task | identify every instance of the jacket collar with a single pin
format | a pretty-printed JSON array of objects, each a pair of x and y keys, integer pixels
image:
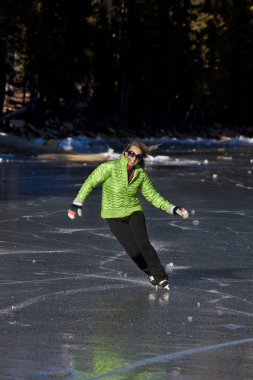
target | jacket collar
[{"x": 124, "y": 162}]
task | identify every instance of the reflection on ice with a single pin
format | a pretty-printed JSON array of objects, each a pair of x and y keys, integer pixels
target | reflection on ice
[
  {"x": 165, "y": 358},
  {"x": 158, "y": 297}
]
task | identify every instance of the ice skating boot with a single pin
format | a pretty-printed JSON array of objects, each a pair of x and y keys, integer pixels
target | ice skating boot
[
  {"x": 165, "y": 284},
  {"x": 152, "y": 280}
]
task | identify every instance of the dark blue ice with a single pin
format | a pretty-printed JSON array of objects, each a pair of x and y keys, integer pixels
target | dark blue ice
[{"x": 74, "y": 306}]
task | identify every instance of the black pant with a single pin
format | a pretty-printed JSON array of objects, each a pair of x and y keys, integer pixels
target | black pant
[{"x": 131, "y": 232}]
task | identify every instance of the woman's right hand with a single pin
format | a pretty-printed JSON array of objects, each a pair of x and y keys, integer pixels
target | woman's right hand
[{"x": 74, "y": 210}]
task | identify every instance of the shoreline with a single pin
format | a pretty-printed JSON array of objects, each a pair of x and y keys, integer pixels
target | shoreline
[{"x": 23, "y": 148}]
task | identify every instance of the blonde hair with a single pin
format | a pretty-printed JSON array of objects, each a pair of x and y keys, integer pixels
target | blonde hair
[{"x": 145, "y": 149}]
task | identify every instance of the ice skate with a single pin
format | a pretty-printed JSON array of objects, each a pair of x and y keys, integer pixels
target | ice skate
[
  {"x": 165, "y": 284},
  {"x": 152, "y": 280}
]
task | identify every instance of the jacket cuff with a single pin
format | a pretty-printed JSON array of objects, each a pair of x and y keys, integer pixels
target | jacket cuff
[
  {"x": 170, "y": 209},
  {"x": 77, "y": 202}
]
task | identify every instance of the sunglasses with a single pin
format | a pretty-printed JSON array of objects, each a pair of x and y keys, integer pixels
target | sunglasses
[{"x": 130, "y": 153}]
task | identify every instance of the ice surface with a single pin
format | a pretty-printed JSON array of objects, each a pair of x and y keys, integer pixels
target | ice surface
[{"x": 74, "y": 306}]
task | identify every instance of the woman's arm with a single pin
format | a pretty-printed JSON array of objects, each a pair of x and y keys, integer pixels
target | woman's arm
[
  {"x": 151, "y": 194},
  {"x": 99, "y": 175}
]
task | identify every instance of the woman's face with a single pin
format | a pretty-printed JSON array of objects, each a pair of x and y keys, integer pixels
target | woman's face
[{"x": 133, "y": 155}]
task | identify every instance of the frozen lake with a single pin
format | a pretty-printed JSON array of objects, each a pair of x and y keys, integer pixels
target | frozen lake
[{"x": 74, "y": 306}]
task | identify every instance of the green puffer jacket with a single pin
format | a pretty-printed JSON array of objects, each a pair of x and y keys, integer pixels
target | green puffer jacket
[{"x": 118, "y": 197}]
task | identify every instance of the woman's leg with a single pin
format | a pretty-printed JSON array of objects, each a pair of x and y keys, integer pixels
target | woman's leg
[
  {"x": 138, "y": 228},
  {"x": 120, "y": 229}
]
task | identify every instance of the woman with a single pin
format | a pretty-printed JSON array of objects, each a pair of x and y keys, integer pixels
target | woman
[{"x": 121, "y": 179}]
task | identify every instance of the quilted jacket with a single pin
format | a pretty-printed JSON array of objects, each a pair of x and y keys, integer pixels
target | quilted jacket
[{"x": 119, "y": 198}]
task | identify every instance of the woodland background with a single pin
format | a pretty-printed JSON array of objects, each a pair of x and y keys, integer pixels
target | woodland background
[{"x": 126, "y": 66}]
